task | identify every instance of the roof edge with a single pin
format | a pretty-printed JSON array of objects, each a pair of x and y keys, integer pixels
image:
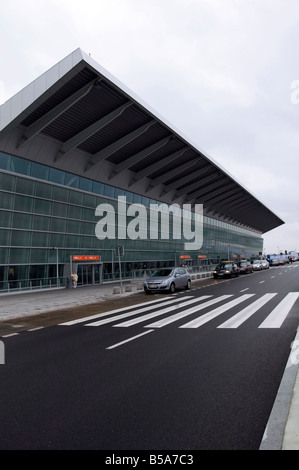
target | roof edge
[{"x": 15, "y": 105}]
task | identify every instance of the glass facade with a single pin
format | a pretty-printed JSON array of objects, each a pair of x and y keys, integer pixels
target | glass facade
[{"x": 47, "y": 216}]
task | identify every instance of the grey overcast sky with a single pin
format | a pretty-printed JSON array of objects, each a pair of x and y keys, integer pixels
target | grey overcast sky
[{"x": 225, "y": 73}]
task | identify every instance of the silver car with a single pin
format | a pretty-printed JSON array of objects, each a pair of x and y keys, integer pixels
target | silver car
[
  {"x": 265, "y": 264},
  {"x": 256, "y": 265},
  {"x": 167, "y": 280}
]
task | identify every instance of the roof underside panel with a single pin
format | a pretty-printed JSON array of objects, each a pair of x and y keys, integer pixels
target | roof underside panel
[
  {"x": 91, "y": 115},
  {"x": 82, "y": 78}
]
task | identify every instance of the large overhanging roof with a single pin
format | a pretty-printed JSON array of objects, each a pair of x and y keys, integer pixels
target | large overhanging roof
[{"x": 78, "y": 118}]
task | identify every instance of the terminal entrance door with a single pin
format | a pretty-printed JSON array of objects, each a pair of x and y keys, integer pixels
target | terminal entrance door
[{"x": 89, "y": 274}]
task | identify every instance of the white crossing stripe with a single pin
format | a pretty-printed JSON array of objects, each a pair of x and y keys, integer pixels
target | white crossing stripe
[
  {"x": 134, "y": 312},
  {"x": 128, "y": 340},
  {"x": 158, "y": 307},
  {"x": 214, "y": 313},
  {"x": 134, "y": 321},
  {"x": 247, "y": 312},
  {"x": 189, "y": 311},
  {"x": 281, "y": 311},
  {"x": 111, "y": 312}
]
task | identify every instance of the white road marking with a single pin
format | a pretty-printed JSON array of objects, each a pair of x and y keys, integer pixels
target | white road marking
[
  {"x": 279, "y": 314},
  {"x": 214, "y": 313},
  {"x": 129, "y": 339},
  {"x": 180, "y": 315},
  {"x": 111, "y": 312},
  {"x": 131, "y": 313},
  {"x": 156, "y": 313},
  {"x": 243, "y": 290},
  {"x": 7, "y": 336},
  {"x": 244, "y": 314}
]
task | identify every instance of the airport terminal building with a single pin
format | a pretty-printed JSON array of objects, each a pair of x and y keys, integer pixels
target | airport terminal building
[{"x": 83, "y": 160}]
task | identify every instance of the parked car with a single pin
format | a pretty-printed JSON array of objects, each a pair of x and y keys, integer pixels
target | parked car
[
  {"x": 256, "y": 265},
  {"x": 226, "y": 269},
  {"x": 274, "y": 262},
  {"x": 167, "y": 280},
  {"x": 265, "y": 264},
  {"x": 245, "y": 267}
]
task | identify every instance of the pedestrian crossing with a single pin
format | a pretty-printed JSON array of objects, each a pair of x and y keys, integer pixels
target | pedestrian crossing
[{"x": 200, "y": 311}]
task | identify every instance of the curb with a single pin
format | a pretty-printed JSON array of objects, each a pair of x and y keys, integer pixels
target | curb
[{"x": 274, "y": 437}]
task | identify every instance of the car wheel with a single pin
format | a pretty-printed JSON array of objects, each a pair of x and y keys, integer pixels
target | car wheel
[
  {"x": 148, "y": 292},
  {"x": 172, "y": 288},
  {"x": 188, "y": 285}
]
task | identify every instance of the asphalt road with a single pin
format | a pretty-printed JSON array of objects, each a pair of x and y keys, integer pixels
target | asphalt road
[{"x": 177, "y": 372}]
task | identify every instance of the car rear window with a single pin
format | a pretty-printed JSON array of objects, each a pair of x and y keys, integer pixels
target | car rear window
[{"x": 163, "y": 272}]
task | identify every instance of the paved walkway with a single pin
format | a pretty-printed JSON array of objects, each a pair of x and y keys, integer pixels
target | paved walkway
[
  {"x": 282, "y": 431},
  {"x": 22, "y": 304}
]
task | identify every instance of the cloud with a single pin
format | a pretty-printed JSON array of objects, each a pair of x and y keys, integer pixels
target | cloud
[{"x": 220, "y": 71}]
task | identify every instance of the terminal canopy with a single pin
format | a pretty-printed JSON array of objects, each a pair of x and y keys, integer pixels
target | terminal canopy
[{"x": 78, "y": 118}]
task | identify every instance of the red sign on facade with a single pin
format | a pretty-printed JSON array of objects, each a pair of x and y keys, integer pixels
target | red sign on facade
[
  {"x": 185, "y": 257},
  {"x": 86, "y": 258}
]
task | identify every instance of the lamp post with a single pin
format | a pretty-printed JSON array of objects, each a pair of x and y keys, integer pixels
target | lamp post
[{"x": 57, "y": 266}]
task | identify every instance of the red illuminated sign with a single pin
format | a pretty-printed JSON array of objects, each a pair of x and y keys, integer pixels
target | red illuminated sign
[{"x": 86, "y": 258}]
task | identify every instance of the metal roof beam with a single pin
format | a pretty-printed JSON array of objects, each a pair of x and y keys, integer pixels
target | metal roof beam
[
  {"x": 208, "y": 191},
  {"x": 232, "y": 201},
  {"x": 228, "y": 195},
  {"x": 226, "y": 203},
  {"x": 170, "y": 174},
  {"x": 241, "y": 205},
  {"x": 249, "y": 204},
  {"x": 192, "y": 192},
  {"x": 54, "y": 113},
  {"x": 184, "y": 180},
  {"x": 157, "y": 165},
  {"x": 138, "y": 156},
  {"x": 118, "y": 144},
  {"x": 91, "y": 130}
]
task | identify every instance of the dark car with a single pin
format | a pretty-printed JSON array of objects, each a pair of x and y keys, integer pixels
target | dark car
[
  {"x": 245, "y": 267},
  {"x": 274, "y": 262},
  {"x": 226, "y": 269},
  {"x": 167, "y": 280}
]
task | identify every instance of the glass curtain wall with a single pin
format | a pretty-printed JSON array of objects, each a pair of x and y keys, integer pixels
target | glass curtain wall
[{"x": 47, "y": 215}]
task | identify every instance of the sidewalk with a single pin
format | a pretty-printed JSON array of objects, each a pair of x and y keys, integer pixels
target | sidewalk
[
  {"x": 282, "y": 430},
  {"x": 21, "y": 304}
]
